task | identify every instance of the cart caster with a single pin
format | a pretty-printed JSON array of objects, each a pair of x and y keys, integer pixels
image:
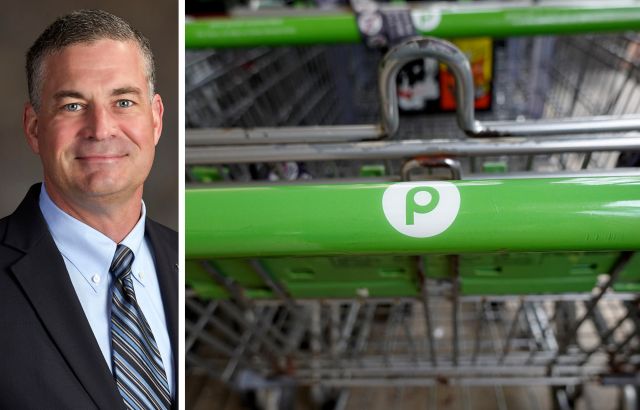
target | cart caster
[
  {"x": 565, "y": 397},
  {"x": 324, "y": 398},
  {"x": 270, "y": 398},
  {"x": 629, "y": 398}
]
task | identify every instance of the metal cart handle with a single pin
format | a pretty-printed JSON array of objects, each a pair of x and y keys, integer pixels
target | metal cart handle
[{"x": 447, "y": 53}]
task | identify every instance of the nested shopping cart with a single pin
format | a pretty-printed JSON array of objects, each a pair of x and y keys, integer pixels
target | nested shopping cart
[{"x": 450, "y": 257}]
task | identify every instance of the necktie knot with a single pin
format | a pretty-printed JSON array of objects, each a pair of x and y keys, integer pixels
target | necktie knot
[{"x": 121, "y": 263}]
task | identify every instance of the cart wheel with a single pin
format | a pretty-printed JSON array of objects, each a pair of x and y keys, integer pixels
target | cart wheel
[
  {"x": 629, "y": 398},
  {"x": 565, "y": 397},
  {"x": 270, "y": 398},
  {"x": 325, "y": 398}
]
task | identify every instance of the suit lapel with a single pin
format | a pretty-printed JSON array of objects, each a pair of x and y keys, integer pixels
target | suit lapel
[
  {"x": 43, "y": 276},
  {"x": 166, "y": 258}
]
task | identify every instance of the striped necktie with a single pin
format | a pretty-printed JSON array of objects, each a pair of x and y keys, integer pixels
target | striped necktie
[{"x": 136, "y": 362}]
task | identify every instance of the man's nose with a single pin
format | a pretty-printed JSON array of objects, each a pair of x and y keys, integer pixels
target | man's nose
[{"x": 101, "y": 123}]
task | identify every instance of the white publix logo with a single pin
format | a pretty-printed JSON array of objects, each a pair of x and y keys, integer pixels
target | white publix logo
[{"x": 421, "y": 209}]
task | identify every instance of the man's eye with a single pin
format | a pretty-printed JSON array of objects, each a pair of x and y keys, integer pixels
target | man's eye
[
  {"x": 72, "y": 107},
  {"x": 124, "y": 103}
]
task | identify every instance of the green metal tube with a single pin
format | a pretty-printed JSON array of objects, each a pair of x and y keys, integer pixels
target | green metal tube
[
  {"x": 568, "y": 214},
  {"x": 444, "y": 21}
]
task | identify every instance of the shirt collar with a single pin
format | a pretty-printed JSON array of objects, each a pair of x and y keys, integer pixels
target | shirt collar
[{"x": 88, "y": 249}]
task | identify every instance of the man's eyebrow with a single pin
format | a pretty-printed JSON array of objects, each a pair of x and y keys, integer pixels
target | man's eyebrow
[
  {"x": 126, "y": 90},
  {"x": 67, "y": 94}
]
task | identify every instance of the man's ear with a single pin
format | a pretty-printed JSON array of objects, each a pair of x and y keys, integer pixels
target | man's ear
[
  {"x": 157, "y": 109},
  {"x": 30, "y": 125}
]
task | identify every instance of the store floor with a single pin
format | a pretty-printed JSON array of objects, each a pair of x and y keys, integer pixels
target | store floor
[{"x": 204, "y": 393}]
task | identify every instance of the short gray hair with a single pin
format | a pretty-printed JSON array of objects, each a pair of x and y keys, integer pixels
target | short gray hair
[{"x": 82, "y": 26}]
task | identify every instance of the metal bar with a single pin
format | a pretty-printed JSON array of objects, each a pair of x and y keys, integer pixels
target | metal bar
[
  {"x": 193, "y": 361},
  {"x": 209, "y": 340},
  {"x": 561, "y": 214},
  {"x": 561, "y": 126},
  {"x": 395, "y": 316},
  {"x": 348, "y": 326},
  {"x": 602, "y": 327},
  {"x": 410, "y": 339},
  {"x": 534, "y": 328},
  {"x": 430, "y": 163},
  {"x": 342, "y": 400},
  {"x": 501, "y": 401},
  {"x": 511, "y": 333},
  {"x": 312, "y": 26},
  {"x": 606, "y": 337},
  {"x": 228, "y": 283},
  {"x": 568, "y": 338},
  {"x": 586, "y": 160},
  {"x": 615, "y": 270},
  {"x": 257, "y": 330},
  {"x": 621, "y": 379},
  {"x": 334, "y": 329},
  {"x": 274, "y": 284},
  {"x": 561, "y": 400},
  {"x": 365, "y": 329},
  {"x": 543, "y": 321},
  {"x": 480, "y": 381},
  {"x": 424, "y": 298},
  {"x": 466, "y": 398},
  {"x": 250, "y": 321},
  {"x": 616, "y": 172},
  {"x": 439, "y": 289},
  {"x": 454, "y": 261},
  {"x": 281, "y": 135},
  {"x": 201, "y": 323},
  {"x": 631, "y": 306},
  {"x": 400, "y": 149},
  {"x": 404, "y": 367},
  {"x": 480, "y": 319}
]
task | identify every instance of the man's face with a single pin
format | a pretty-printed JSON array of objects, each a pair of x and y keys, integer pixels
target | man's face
[{"x": 97, "y": 126}]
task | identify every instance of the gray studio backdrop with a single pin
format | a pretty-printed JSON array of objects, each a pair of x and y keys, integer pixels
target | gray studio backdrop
[{"x": 21, "y": 21}]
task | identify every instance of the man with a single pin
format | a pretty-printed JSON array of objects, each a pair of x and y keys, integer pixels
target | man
[{"x": 88, "y": 284}]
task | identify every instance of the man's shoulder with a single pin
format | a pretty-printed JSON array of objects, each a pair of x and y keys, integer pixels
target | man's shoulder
[
  {"x": 4, "y": 222},
  {"x": 162, "y": 232},
  {"x": 9, "y": 253}
]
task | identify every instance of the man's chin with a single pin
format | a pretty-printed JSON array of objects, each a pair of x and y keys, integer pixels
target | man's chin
[{"x": 105, "y": 189}]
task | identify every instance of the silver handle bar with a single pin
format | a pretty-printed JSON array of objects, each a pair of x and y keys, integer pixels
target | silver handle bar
[{"x": 447, "y": 53}]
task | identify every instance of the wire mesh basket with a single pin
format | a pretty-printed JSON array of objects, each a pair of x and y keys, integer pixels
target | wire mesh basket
[
  {"x": 536, "y": 78},
  {"x": 341, "y": 323}
]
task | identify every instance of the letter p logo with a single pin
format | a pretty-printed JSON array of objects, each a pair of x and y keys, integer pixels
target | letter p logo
[
  {"x": 421, "y": 209},
  {"x": 422, "y": 200}
]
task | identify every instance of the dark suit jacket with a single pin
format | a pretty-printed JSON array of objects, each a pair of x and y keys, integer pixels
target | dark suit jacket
[{"x": 49, "y": 356}]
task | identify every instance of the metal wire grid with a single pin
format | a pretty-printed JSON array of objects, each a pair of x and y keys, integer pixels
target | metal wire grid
[
  {"x": 506, "y": 341},
  {"x": 534, "y": 78},
  {"x": 439, "y": 338},
  {"x": 502, "y": 344},
  {"x": 259, "y": 87}
]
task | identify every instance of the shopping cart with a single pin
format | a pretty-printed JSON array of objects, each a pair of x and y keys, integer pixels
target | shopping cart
[{"x": 348, "y": 280}]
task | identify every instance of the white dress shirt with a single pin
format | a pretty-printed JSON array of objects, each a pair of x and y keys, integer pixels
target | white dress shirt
[{"x": 88, "y": 253}]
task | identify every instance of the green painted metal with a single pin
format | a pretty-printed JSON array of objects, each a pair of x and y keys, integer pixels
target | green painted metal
[
  {"x": 271, "y": 31},
  {"x": 570, "y": 214},
  {"x": 397, "y": 276},
  {"x": 445, "y": 21},
  {"x": 206, "y": 174},
  {"x": 495, "y": 167}
]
